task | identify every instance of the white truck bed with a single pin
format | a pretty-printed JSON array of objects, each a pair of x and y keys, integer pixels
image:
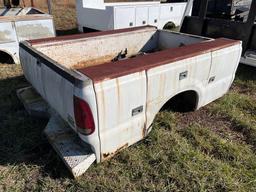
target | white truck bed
[
  {"x": 19, "y": 24},
  {"x": 109, "y": 86},
  {"x": 101, "y": 16}
]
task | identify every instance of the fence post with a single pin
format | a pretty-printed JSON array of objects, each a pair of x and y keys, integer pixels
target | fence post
[{"x": 49, "y": 2}]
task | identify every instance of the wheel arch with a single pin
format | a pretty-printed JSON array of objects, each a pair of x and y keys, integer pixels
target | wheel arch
[
  {"x": 197, "y": 93},
  {"x": 6, "y": 53},
  {"x": 169, "y": 25}
]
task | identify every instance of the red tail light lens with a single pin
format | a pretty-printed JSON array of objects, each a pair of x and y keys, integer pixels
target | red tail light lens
[{"x": 83, "y": 116}]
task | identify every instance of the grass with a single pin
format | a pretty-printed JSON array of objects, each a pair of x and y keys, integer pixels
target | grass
[
  {"x": 212, "y": 149},
  {"x": 173, "y": 158}
]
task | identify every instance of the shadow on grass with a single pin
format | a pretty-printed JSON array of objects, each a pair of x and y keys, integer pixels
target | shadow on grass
[
  {"x": 246, "y": 73},
  {"x": 21, "y": 136}
]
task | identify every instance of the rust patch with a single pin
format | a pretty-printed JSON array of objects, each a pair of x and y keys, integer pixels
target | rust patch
[
  {"x": 120, "y": 68},
  {"x": 144, "y": 130},
  {"x": 118, "y": 99},
  {"x": 107, "y": 156},
  {"x": 93, "y": 62},
  {"x": 101, "y": 106}
]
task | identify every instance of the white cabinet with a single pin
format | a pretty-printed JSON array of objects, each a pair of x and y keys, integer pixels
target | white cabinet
[
  {"x": 153, "y": 15},
  {"x": 165, "y": 11},
  {"x": 124, "y": 17},
  {"x": 141, "y": 16},
  {"x": 121, "y": 15}
]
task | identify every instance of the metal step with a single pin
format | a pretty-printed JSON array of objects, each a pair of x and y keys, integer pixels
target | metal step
[
  {"x": 249, "y": 58},
  {"x": 76, "y": 154},
  {"x": 33, "y": 102}
]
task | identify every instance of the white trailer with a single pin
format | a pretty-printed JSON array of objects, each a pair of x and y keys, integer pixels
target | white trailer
[
  {"x": 97, "y": 15},
  {"x": 19, "y": 24}
]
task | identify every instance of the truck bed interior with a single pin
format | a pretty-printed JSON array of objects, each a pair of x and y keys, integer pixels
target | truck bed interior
[{"x": 86, "y": 50}]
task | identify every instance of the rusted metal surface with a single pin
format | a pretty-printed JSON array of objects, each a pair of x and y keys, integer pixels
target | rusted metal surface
[
  {"x": 107, "y": 156},
  {"x": 116, "y": 69},
  {"x": 99, "y": 49},
  {"x": 93, "y": 62}
]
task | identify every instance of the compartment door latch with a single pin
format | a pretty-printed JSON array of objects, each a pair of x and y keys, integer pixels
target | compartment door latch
[
  {"x": 137, "y": 110},
  {"x": 183, "y": 75}
]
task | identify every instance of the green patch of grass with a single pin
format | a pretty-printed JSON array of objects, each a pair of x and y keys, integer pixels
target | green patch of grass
[
  {"x": 170, "y": 159},
  {"x": 240, "y": 109}
]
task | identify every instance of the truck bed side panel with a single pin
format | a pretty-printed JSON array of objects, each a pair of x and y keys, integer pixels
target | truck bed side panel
[
  {"x": 8, "y": 40},
  {"x": 58, "y": 90},
  {"x": 121, "y": 111},
  {"x": 209, "y": 75},
  {"x": 7, "y": 33},
  {"x": 222, "y": 74},
  {"x": 54, "y": 88},
  {"x": 165, "y": 81},
  {"x": 34, "y": 29}
]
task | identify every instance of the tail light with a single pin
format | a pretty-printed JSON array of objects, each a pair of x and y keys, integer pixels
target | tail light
[{"x": 83, "y": 116}]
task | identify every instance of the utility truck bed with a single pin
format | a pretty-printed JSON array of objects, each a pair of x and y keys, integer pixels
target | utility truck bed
[
  {"x": 102, "y": 16},
  {"x": 19, "y": 24},
  {"x": 109, "y": 86}
]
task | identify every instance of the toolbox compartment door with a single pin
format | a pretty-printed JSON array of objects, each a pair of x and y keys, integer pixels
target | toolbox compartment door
[{"x": 124, "y": 17}]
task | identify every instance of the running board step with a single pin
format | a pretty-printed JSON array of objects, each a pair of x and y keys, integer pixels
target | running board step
[
  {"x": 33, "y": 102},
  {"x": 77, "y": 156},
  {"x": 249, "y": 58}
]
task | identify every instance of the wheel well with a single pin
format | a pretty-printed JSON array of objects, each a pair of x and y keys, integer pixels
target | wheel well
[
  {"x": 6, "y": 58},
  {"x": 169, "y": 25},
  {"x": 183, "y": 102}
]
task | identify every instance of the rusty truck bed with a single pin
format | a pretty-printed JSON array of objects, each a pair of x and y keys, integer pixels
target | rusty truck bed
[
  {"x": 116, "y": 69},
  {"x": 109, "y": 87},
  {"x": 94, "y": 54}
]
